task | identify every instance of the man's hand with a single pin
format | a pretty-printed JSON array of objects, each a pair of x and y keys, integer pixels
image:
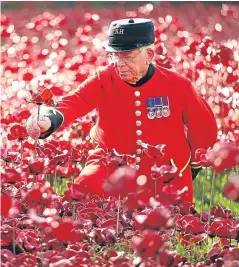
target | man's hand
[{"x": 37, "y": 126}]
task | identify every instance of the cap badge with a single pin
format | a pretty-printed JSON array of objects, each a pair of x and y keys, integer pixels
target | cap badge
[{"x": 118, "y": 31}]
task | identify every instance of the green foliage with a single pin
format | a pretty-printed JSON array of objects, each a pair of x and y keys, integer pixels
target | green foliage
[
  {"x": 124, "y": 248},
  {"x": 61, "y": 185},
  {"x": 194, "y": 252},
  {"x": 221, "y": 179}
]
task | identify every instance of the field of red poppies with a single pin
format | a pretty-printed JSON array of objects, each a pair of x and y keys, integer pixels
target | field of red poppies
[{"x": 47, "y": 219}]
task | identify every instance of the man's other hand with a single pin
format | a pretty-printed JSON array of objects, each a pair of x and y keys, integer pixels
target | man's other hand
[{"x": 36, "y": 127}]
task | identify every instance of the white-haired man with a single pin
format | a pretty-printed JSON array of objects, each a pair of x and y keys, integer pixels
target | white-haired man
[{"x": 138, "y": 103}]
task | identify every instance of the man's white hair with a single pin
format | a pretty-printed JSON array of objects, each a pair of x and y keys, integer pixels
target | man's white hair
[{"x": 151, "y": 46}]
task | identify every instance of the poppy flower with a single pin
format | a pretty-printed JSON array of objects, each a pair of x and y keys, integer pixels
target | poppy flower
[
  {"x": 36, "y": 167},
  {"x": 6, "y": 255},
  {"x": 149, "y": 244},
  {"x": 200, "y": 158},
  {"x": 17, "y": 132},
  {"x": 62, "y": 160},
  {"x": 6, "y": 204},
  {"x": 164, "y": 173},
  {"x": 10, "y": 156},
  {"x": 223, "y": 156},
  {"x": 44, "y": 97},
  {"x": 24, "y": 259},
  {"x": 75, "y": 191},
  {"x": 27, "y": 76},
  {"x": 121, "y": 182},
  {"x": 62, "y": 230},
  {"x": 29, "y": 239},
  {"x": 11, "y": 176},
  {"x": 231, "y": 188},
  {"x": 154, "y": 151}
]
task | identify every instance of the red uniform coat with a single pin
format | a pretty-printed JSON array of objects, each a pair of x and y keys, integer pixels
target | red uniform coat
[{"x": 123, "y": 122}]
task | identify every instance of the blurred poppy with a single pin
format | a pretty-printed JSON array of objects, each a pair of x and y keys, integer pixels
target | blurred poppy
[
  {"x": 154, "y": 151},
  {"x": 200, "y": 158},
  {"x": 164, "y": 173},
  {"x": 223, "y": 156},
  {"x": 62, "y": 160},
  {"x": 10, "y": 156},
  {"x": 10, "y": 176},
  {"x": 6, "y": 204},
  {"x": 121, "y": 182},
  {"x": 18, "y": 132},
  {"x": 75, "y": 191},
  {"x": 62, "y": 230},
  {"x": 231, "y": 188},
  {"x": 37, "y": 167},
  {"x": 149, "y": 244}
]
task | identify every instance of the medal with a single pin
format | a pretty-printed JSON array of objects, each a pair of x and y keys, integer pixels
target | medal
[
  {"x": 159, "y": 113},
  {"x": 158, "y": 107},
  {"x": 150, "y": 107},
  {"x": 166, "y": 110},
  {"x": 151, "y": 114}
]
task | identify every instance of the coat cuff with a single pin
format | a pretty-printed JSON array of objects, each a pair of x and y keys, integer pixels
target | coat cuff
[
  {"x": 56, "y": 119},
  {"x": 195, "y": 171}
]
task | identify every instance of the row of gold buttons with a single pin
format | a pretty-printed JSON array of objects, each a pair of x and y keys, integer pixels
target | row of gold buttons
[{"x": 138, "y": 131}]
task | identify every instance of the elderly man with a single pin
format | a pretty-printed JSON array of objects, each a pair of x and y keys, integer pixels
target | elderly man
[{"x": 138, "y": 103}]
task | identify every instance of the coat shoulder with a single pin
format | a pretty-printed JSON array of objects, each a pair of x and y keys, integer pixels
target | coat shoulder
[
  {"x": 172, "y": 76},
  {"x": 104, "y": 70}
]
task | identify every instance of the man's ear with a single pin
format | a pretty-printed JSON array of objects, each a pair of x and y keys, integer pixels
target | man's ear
[{"x": 150, "y": 53}]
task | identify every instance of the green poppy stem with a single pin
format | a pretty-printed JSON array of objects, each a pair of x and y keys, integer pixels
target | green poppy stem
[
  {"x": 117, "y": 220},
  {"x": 211, "y": 201},
  {"x": 54, "y": 181},
  {"x": 14, "y": 239},
  {"x": 212, "y": 194},
  {"x": 155, "y": 188},
  {"x": 73, "y": 208},
  {"x": 38, "y": 115},
  {"x": 203, "y": 192}
]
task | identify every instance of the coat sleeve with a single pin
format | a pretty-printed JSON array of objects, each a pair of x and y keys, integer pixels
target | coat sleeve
[
  {"x": 77, "y": 103},
  {"x": 81, "y": 101},
  {"x": 199, "y": 119}
]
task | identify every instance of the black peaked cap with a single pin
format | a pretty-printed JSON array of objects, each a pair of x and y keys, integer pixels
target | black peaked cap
[{"x": 130, "y": 34}]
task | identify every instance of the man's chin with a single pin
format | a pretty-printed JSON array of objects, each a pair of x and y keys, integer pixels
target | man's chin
[{"x": 127, "y": 79}]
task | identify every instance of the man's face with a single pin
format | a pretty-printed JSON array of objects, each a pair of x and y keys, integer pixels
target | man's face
[{"x": 132, "y": 66}]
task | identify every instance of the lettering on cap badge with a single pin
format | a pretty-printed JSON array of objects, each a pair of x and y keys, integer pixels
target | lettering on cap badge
[
  {"x": 158, "y": 107},
  {"x": 119, "y": 31}
]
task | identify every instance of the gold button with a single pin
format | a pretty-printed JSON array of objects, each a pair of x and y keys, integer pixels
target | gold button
[
  {"x": 138, "y": 123},
  {"x": 139, "y": 132},
  {"x": 139, "y": 142},
  {"x": 137, "y": 113},
  {"x": 137, "y": 93},
  {"x": 138, "y": 159},
  {"x": 137, "y": 103},
  {"x": 137, "y": 167},
  {"x": 138, "y": 151}
]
